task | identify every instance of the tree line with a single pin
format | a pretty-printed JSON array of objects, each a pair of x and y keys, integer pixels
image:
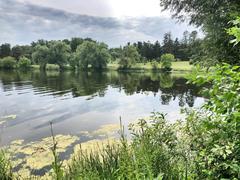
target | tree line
[
  {"x": 82, "y": 53},
  {"x": 183, "y": 49}
]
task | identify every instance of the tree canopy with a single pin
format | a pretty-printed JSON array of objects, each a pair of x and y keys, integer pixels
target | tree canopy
[
  {"x": 41, "y": 55},
  {"x": 92, "y": 53},
  {"x": 213, "y": 17},
  {"x": 129, "y": 56},
  {"x": 59, "y": 53}
]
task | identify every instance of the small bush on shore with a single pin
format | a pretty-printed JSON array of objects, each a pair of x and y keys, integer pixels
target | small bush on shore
[
  {"x": 8, "y": 63},
  {"x": 24, "y": 63},
  {"x": 167, "y": 60}
]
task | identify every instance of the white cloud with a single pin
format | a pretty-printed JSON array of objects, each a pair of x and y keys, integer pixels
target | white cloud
[
  {"x": 106, "y": 8},
  {"x": 22, "y": 23}
]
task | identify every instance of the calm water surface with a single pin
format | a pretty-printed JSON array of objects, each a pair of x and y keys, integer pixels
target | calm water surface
[{"x": 84, "y": 101}]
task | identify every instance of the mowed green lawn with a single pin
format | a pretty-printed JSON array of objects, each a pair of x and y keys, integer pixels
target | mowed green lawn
[
  {"x": 176, "y": 66},
  {"x": 182, "y": 66}
]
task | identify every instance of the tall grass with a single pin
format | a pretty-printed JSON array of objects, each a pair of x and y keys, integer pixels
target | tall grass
[
  {"x": 151, "y": 154},
  {"x": 5, "y": 167},
  {"x": 57, "y": 164}
]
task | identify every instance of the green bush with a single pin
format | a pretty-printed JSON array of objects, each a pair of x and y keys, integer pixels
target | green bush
[
  {"x": 214, "y": 131},
  {"x": 24, "y": 63},
  {"x": 8, "y": 63},
  {"x": 167, "y": 60},
  {"x": 154, "y": 65}
]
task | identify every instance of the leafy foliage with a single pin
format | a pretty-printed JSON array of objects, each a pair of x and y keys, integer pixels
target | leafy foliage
[
  {"x": 91, "y": 53},
  {"x": 5, "y": 50},
  {"x": 154, "y": 65},
  {"x": 235, "y": 31},
  {"x": 215, "y": 131},
  {"x": 213, "y": 17},
  {"x": 167, "y": 60},
  {"x": 59, "y": 53},
  {"x": 64, "y": 52},
  {"x": 129, "y": 57},
  {"x": 24, "y": 63},
  {"x": 41, "y": 55},
  {"x": 8, "y": 62}
]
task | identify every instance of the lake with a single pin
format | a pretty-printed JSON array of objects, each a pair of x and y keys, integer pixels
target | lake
[{"x": 85, "y": 101}]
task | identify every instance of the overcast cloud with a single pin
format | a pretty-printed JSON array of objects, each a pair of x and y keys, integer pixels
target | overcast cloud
[{"x": 111, "y": 21}]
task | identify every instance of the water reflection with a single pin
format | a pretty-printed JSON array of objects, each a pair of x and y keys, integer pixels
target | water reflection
[
  {"x": 95, "y": 84},
  {"x": 86, "y": 100}
]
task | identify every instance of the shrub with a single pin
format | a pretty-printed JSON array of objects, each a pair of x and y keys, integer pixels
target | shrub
[
  {"x": 154, "y": 65},
  {"x": 8, "y": 63},
  {"x": 214, "y": 131},
  {"x": 167, "y": 60},
  {"x": 24, "y": 63}
]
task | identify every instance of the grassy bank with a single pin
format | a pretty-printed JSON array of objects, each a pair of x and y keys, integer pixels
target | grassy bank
[
  {"x": 50, "y": 67},
  {"x": 176, "y": 66}
]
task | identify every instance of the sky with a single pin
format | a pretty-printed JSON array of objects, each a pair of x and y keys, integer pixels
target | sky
[{"x": 114, "y": 22}]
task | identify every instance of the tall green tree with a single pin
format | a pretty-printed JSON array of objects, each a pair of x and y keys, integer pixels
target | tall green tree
[
  {"x": 17, "y": 52},
  {"x": 157, "y": 50},
  {"x": 41, "y": 56},
  {"x": 115, "y": 53},
  {"x": 75, "y": 42},
  {"x": 59, "y": 53},
  {"x": 40, "y": 42},
  {"x": 26, "y": 51},
  {"x": 5, "y": 50},
  {"x": 167, "y": 43},
  {"x": 213, "y": 17},
  {"x": 129, "y": 57},
  {"x": 92, "y": 53},
  {"x": 176, "y": 49}
]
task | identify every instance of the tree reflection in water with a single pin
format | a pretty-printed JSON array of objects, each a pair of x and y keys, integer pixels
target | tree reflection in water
[{"x": 95, "y": 84}]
